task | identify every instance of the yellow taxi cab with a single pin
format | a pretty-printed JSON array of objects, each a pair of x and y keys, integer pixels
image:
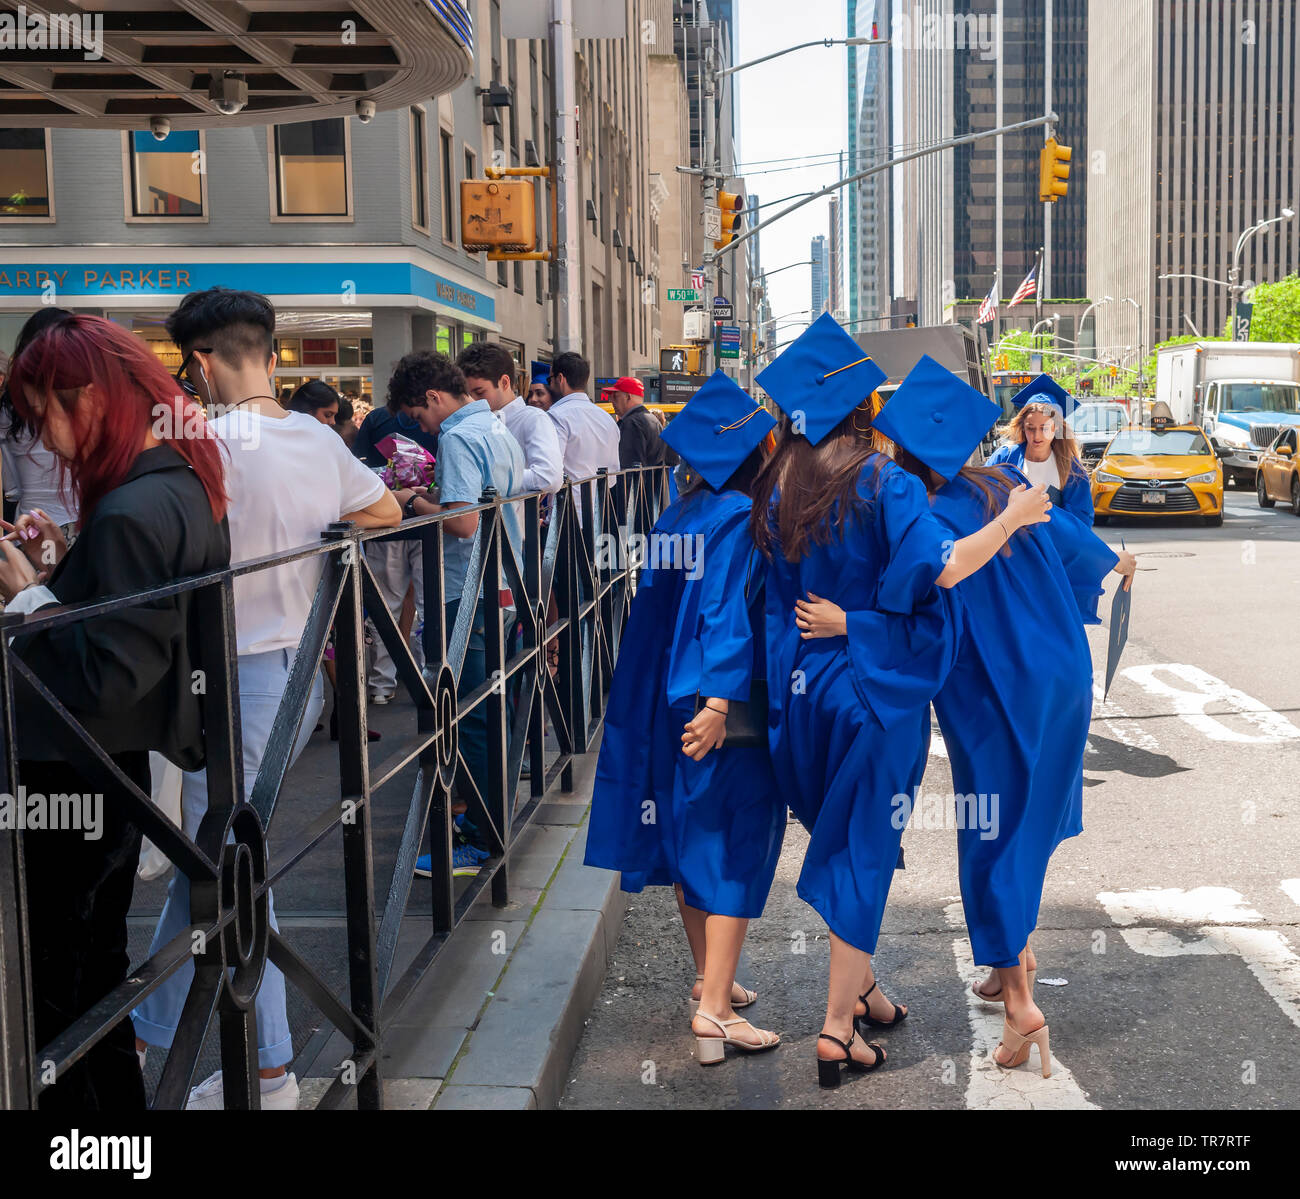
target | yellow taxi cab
[
  {"x": 668, "y": 410},
  {"x": 1167, "y": 470},
  {"x": 1278, "y": 476}
]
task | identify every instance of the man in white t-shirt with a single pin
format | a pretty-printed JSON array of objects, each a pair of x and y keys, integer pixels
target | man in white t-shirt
[
  {"x": 588, "y": 434},
  {"x": 288, "y": 477}
]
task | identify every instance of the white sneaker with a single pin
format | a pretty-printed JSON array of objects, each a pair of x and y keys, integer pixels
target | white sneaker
[
  {"x": 382, "y": 697},
  {"x": 210, "y": 1095}
]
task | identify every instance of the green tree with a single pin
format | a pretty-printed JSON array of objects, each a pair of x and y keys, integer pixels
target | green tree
[{"x": 1277, "y": 311}]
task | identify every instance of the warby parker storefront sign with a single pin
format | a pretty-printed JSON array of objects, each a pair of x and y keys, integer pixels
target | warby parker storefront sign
[
  {"x": 337, "y": 282},
  {"x": 26, "y": 280}
]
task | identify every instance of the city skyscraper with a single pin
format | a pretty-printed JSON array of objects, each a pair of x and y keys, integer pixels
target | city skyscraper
[
  {"x": 836, "y": 287},
  {"x": 868, "y": 204},
  {"x": 1191, "y": 142},
  {"x": 960, "y": 216},
  {"x": 821, "y": 295}
]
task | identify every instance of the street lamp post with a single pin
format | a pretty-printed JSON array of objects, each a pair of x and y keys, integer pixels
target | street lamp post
[
  {"x": 1234, "y": 275},
  {"x": 1142, "y": 334},
  {"x": 1084, "y": 317}
]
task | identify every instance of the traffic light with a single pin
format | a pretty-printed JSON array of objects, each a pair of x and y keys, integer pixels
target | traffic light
[
  {"x": 733, "y": 213},
  {"x": 1053, "y": 171}
]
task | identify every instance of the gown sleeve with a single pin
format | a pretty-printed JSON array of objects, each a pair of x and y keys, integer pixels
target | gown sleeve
[
  {"x": 1076, "y": 496},
  {"x": 1086, "y": 558},
  {"x": 1000, "y": 455},
  {"x": 917, "y": 545},
  {"x": 733, "y": 576},
  {"x": 902, "y": 649}
]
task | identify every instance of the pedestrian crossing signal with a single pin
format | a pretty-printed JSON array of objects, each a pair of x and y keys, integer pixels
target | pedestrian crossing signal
[{"x": 1053, "y": 171}]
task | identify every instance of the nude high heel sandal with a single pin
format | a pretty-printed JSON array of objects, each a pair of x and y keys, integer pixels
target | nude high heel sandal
[
  {"x": 1029, "y": 974},
  {"x": 709, "y": 1051},
  {"x": 1019, "y": 1043}
]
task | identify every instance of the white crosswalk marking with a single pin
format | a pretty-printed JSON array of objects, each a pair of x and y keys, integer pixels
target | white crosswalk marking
[
  {"x": 1116, "y": 719},
  {"x": 1291, "y": 888},
  {"x": 1190, "y": 704},
  {"x": 1219, "y": 916},
  {"x": 990, "y": 1087}
]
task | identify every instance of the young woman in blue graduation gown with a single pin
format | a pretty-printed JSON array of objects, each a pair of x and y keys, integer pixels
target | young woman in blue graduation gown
[
  {"x": 1015, "y": 706},
  {"x": 1039, "y": 433},
  {"x": 851, "y": 714},
  {"x": 673, "y": 804}
]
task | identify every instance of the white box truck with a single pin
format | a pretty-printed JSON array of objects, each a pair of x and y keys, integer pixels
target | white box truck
[{"x": 1242, "y": 393}]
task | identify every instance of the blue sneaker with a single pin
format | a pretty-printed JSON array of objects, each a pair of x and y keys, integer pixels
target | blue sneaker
[{"x": 465, "y": 860}]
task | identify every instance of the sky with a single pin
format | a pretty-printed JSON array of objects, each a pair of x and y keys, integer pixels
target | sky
[{"x": 789, "y": 108}]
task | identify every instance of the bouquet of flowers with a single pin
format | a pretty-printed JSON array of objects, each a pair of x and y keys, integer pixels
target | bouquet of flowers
[{"x": 409, "y": 464}]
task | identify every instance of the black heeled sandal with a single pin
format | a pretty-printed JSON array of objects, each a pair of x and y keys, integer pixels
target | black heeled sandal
[
  {"x": 869, "y": 1021},
  {"x": 828, "y": 1073}
]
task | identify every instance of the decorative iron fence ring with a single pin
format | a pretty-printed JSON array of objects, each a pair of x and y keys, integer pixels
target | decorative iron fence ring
[
  {"x": 539, "y": 639},
  {"x": 246, "y": 937},
  {"x": 445, "y": 711}
]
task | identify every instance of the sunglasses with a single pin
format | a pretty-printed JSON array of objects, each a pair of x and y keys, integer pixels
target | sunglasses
[{"x": 181, "y": 376}]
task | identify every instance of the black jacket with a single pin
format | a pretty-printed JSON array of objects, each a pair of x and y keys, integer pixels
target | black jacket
[
  {"x": 126, "y": 675},
  {"x": 639, "y": 443}
]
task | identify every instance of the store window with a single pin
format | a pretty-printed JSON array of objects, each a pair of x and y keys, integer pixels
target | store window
[
  {"x": 443, "y": 338},
  {"x": 166, "y": 178},
  {"x": 26, "y": 182},
  {"x": 419, "y": 172},
  {"x": 311, "y": 170},
  {"x": 448, "y": 189}
]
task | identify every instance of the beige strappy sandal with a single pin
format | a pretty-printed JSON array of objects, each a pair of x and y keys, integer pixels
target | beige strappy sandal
[
  {"x": 709, "y": 1051},
  {"x": 750, "y": 996}
]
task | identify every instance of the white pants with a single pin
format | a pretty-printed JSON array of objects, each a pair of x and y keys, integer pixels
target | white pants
[{"x": 395, "y": 565}]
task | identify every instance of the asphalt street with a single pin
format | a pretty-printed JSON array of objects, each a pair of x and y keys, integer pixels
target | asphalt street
[{"x": 1168, "y": 943}]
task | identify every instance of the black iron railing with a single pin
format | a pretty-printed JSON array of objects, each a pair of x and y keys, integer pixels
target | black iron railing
[{"x": 571, "y": 581}]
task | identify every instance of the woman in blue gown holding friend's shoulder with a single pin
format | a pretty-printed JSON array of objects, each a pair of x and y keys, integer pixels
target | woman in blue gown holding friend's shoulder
[
  {"x": 1015, "y": 706},
  {"x": 674, "y": 804},
  {"x": 850, "y": 715}
]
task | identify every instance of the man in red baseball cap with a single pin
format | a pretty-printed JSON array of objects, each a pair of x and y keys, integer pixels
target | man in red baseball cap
[{"x": 639, "y": 443}]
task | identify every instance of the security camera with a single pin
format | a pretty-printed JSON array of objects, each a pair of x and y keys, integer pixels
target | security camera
[
  {"x": 160, "y": 127},
  {"x": 229, "y": 92},
  {"x": 365, "y": 111}
]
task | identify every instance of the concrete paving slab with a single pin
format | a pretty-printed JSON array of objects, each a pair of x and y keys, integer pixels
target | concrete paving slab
[{"x": 459, "y": 1098}]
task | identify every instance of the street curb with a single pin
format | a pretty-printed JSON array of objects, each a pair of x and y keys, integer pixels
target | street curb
[{"x": 519, "y": 1053}]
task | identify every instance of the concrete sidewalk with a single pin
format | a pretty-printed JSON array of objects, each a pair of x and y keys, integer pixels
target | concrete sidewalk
[{"x": 496, "y": 1020}]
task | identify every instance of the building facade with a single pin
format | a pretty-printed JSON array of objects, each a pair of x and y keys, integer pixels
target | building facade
[
  {"x": 820, "y": 295},
  {"x": 351, "y": 227},
  {"x": 1192, "y": 141}
]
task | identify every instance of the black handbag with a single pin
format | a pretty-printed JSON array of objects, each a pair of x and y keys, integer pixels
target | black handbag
[{"x": 746, "y": 720}]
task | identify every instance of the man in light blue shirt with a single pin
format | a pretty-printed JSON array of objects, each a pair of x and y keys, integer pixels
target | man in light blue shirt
[{"x": 475, "y": 451}]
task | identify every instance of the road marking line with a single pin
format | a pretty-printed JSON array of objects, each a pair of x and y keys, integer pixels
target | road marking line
[
  {"x": 1125, "y": 731},
  {"x": 1291, "y": 888},
  {"x": 1267, "y": 953},
  {"x": 990, "y": 1087},
  {"x": 1190, "y": 705}
]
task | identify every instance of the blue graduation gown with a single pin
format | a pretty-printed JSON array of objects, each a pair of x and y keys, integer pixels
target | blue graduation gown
[
  {"x": 1075, "y": 497},
  {"x": 1015, "y": 711},
  {"x": 714, "y": 826},
  {"x": 850, "y": 716}
]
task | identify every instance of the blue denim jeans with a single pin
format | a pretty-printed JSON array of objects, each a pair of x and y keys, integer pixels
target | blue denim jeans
[{"x": 262, "y": 680}]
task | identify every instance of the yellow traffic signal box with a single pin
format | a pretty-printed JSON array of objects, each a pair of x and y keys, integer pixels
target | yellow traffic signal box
[
  {"x": 1053, "y": 171},
  {"x": 498, "y": 214}
]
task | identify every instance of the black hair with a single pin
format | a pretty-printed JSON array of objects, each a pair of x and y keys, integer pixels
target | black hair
[
  {"x": 238, "y": 325},
  {"x": 487, "y": 360},
  {"x": 575, "y": 369},
  {"x": 33, "y": 327},
  {"x": 346, "y": 412},
  {"x": 419, "y": 373},
  {"x": 741, "y": 479},
  {"x": 312, "y": 396}
]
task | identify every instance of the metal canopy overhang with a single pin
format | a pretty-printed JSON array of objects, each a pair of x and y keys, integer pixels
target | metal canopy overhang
[{"x": 302, "y": 59}]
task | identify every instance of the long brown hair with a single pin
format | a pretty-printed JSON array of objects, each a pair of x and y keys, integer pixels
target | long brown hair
[
  {"x": 991, "y": 482},
  {"x": 818, "y": 483},
  {"x": 1064, "y": 448}
]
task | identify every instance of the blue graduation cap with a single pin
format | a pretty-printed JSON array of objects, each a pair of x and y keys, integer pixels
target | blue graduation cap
[
  {"x": 937, "y": 417},
  {"x": 822, "y": 376},
  {"x": 1046, "y": 390},
  {"x": 718, "y": 429}
]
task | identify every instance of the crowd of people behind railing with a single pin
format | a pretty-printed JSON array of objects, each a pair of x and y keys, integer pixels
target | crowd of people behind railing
[{"x": 124, "y": 478}]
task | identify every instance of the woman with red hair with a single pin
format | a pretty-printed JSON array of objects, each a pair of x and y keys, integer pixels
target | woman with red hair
[{"x": 148, "y": 481}]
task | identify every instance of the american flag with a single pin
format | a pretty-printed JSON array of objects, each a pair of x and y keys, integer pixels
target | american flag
[
  {"x": 1026, "y": 289},
  {"x": 697, "y": 280},
  {"x": 989, "y": 309}
]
